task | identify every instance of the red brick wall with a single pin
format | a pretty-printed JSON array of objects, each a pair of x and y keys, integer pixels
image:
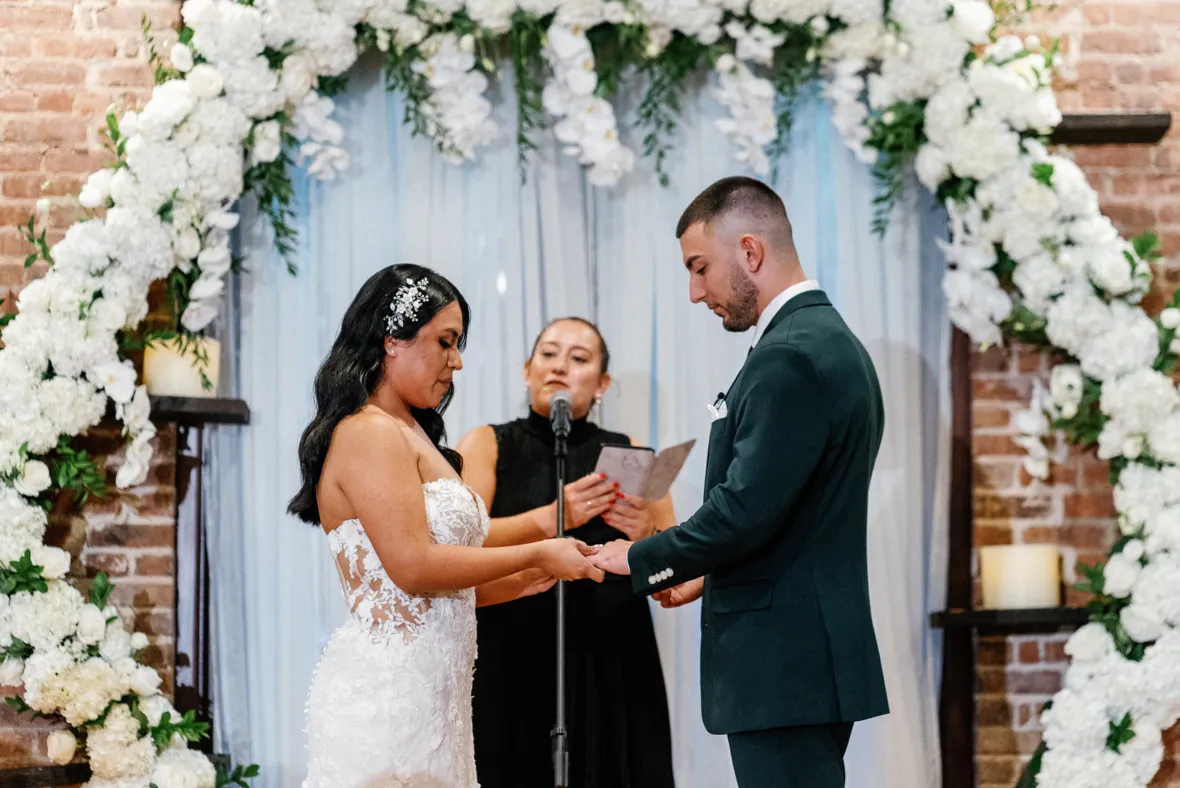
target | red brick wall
[
  {"x": 1126, "y": 58},
  {"x": 62, "y": 63}
]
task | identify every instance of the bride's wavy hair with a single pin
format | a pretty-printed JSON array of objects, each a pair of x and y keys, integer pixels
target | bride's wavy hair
[{"x": 352, "y": 370}]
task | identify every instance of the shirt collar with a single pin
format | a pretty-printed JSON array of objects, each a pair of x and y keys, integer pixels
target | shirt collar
[{"x": 778, "y": 303}]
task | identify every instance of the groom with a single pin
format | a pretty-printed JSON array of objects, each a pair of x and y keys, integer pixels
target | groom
[{"x": 788, "y": 654}]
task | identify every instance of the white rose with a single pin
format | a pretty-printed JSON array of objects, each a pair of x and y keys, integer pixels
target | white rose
[
  {"x": 1170, "y": 317},
  {"x": 268, "y": 143},
  {"x": 1141, "y": 622},
  {"x": 1120, "y": 575},
  {"x": 181, "y": 57},
  {"x": 97, "y": 188},
  {"x": 61, "y": 746},
  {"x": 54, "y": 562},
  {"x": 12, "y": 672},
  {"x": 145, "y": 681},
  {"x": 92, "y": 625},
  {"x": 932, "y": 166},
  {"x": 205, "y": 82},
  {"x": 139, "y": 641},
  {"x": 973, "y": 20},
  {"x": 34, "y": 479}
]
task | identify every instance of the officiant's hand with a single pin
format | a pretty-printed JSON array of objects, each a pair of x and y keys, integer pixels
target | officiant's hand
[
  {"x": 631, "y": 515},
  {"x": 585, "y": 499},
  {"x": 681, "y": 594}
]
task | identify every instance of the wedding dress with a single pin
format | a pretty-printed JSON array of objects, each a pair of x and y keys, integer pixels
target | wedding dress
[{"x": 390, "y": 702}]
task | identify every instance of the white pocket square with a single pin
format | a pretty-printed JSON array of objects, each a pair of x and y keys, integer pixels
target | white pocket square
[{"x": 717, "y": 411}]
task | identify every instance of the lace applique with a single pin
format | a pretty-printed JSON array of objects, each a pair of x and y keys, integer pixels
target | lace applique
[{"x": 455, "y": 515}]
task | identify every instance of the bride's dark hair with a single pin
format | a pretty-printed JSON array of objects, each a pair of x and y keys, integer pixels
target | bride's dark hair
[{"x": 352, "y": 370}]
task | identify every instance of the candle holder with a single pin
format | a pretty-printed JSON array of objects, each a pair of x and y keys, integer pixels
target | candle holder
[
  {"x": 1020, "y": 576},
  {"x": 171, "y": 368}
]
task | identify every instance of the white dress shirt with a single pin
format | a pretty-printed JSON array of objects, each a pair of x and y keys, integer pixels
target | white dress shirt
[{"x": 777, "y": 303}]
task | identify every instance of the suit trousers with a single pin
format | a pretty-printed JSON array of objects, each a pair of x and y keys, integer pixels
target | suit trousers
[{"x": 809, "y": 756}]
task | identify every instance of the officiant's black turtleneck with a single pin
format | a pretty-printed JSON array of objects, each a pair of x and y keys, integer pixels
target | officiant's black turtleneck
[{"x": 617, "y": 709}]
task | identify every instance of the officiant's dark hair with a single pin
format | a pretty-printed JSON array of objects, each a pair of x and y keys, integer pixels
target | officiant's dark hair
[
  {"x": 736, "y": 193},
  {"x": 352, "y": 370}
]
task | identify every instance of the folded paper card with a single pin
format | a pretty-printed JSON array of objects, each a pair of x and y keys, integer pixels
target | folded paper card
[{"x": 640, "y": 471}]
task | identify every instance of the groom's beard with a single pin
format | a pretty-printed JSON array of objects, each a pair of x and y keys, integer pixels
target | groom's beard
[{"x": 742, "y": 309}]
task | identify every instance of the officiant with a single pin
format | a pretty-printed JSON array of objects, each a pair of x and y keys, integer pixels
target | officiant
[{"x": 617, "y": 709}]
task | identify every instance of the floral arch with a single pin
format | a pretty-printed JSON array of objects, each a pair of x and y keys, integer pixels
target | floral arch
[{"x": 248, "y": 89}]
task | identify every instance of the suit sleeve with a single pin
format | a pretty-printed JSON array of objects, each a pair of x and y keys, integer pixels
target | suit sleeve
[{"x": 780, "y": 434}]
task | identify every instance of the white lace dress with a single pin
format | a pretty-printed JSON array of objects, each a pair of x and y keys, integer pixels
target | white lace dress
[{"x": 390, "y": 702}]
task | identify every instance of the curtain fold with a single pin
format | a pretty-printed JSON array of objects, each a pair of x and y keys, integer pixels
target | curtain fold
[{"x": 522, "y": 254}]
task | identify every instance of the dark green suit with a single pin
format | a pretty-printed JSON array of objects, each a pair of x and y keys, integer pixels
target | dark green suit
[{"x": 788, "y": 653}]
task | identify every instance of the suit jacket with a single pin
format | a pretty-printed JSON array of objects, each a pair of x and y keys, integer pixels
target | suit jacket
[{"x": 786, "y": 630}]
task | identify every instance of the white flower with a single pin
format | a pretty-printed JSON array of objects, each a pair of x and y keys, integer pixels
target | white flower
[
  {"x": 205, "y": 81},
  {"x": 1077, "y": 722},
  {"x": 117, "y": 378},
  {"x": 181, "y": 57},
  {"x": 973, "y": 20},
  {"x": 12, "y": 672},
  {"x": 139, "y": 641},
  {"x": 136, "y": 460},
  {"x": 92, "y": 625},
  {"x": 180, "y": 767},
  {"x": 97, "y": 188},
  {"x": 1090, "y": 643},
  {"x": 932, "y": 166},
  {"x": 1120, "y": 575},
  {"x": 268, "y": 142},
  {"x": 198, "y": 314},
  {"x": 54, "y": 562},
  {"x": 1170, "y": 318},
  {"x": 33, "y": 480},
  {"x": 1141, "y": 622},
  {"x": 61, "y": 746}
]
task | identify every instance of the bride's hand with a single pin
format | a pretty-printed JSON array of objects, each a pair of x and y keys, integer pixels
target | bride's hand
[
  {"x": 535, "y": 581},
  {"x": 565, "y": 559}
]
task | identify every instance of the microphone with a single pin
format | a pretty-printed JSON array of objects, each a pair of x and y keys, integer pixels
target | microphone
[{"x": 560, "y": 408}]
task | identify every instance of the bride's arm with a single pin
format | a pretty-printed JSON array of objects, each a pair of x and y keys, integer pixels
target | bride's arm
[
  {"x": 480, "y": 453},
  {"x": 521, "y": 584},
  {"x": 380, "y": 479}
]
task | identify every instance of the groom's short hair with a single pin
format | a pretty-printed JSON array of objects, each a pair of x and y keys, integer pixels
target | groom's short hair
[{"x": 735, "y": 195}]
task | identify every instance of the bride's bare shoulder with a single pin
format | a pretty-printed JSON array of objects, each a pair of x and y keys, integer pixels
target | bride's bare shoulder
[{"x": 371, "y": 428}]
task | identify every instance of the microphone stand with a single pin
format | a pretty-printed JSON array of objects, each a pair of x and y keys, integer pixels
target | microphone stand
[{"x": 560, "y": 735}]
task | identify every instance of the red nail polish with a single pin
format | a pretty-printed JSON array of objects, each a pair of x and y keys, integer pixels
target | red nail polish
[
  {"x": 618, "y": 495},
  {"x": 616, "y": 485}
]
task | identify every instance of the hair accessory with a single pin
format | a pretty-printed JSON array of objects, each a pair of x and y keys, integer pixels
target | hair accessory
[{"x": 405, "y": 303}]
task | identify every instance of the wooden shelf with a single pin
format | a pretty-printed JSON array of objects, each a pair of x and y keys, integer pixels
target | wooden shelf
[
  {"x": 1117, "y": 129},
  {"x": 45, "y": 776},
  {"x": 1043, "y": 619},
  {"x": 193, "y": 411}
]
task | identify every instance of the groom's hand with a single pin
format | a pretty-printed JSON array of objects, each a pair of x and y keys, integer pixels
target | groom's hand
[
  {"x": 681, "y": 594},
  {"x": 612, "y": 557}
]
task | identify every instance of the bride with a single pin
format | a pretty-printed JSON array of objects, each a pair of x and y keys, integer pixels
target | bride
[{"x": 390, "y": 703}]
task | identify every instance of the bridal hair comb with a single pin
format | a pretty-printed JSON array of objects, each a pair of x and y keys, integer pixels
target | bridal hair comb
[{"x": 405, "y": 303}]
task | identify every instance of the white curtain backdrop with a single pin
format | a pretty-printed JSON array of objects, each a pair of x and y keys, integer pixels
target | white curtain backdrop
[{"x": 523, "y": 254}]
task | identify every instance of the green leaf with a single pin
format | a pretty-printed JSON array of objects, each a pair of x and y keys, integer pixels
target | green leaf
[
  {"x": 1120, "y": 734},
  {"x": 332, "y": 86},
  {"x": 100, "y": 590},
  {"x": 187, "y": 727},
  {"x": 18, "y": 704},
  {"x": 1147, "y": 246},
  {"x": 1043, "y": 173},
  {"x": 17, "y": 649},
  {"x": 1028, "y": 777},
  {"x": 22, "y": 575}
]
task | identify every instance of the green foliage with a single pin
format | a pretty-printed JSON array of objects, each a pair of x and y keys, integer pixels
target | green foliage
[
  {"x": 74, "y": 470},
  {"x": 100, "y": 590},
  {"x": 1120, "y": 733},
  {"x": 658, "y": 113},
  {"x": 37, "y": 241},
  {"x": 236, "y": 776},
  {"x": 187, "y": 727},
  {"x": 22, "y": 575},
  {"x": 898, "y": 134}
]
